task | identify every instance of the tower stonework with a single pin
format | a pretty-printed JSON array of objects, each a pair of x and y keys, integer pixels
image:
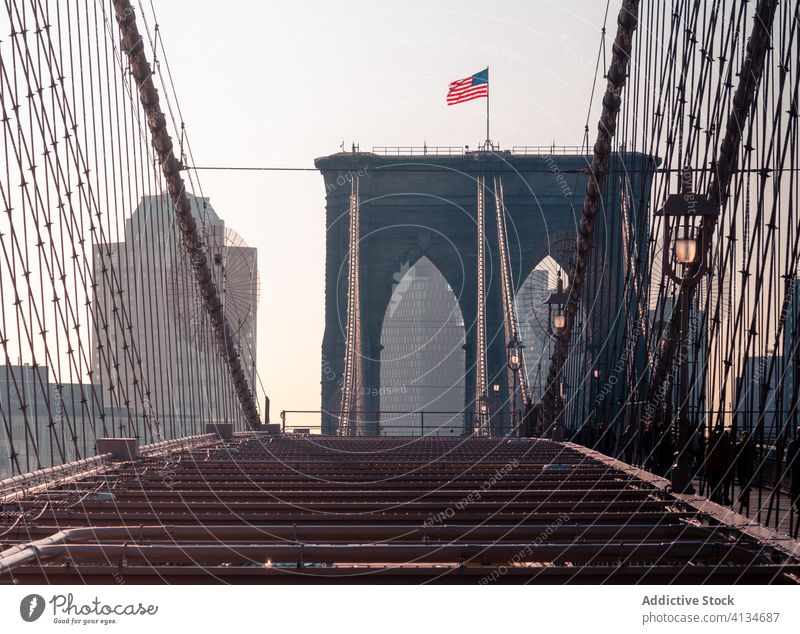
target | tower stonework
[{"x": 413, "y": 206}]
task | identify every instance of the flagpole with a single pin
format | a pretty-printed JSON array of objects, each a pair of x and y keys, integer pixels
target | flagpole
[{"x": 487, "y": 109}]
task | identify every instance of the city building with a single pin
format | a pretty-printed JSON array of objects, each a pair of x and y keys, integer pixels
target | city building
[
  {"x": 533, "y": 327},
  {"x": 47, "y": 423},
  {"x": 757, "y": 388},
  {"x": 790, "y": 367},
  {"x": 422, "y": 356},
  {"x": 160, "y": 335}
]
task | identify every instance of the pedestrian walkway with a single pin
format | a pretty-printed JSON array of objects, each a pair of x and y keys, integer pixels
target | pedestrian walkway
[{"x": 757, "y": 506}]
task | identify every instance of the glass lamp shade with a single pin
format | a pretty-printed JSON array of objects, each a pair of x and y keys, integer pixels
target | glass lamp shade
[
  {"x": 596, "y": 373},
  {"x": 514, "y": 361},
  {"x": 496, "y": 388},
  {"x": 686, "y": 250},
  {"x": 559, "y": 322}
]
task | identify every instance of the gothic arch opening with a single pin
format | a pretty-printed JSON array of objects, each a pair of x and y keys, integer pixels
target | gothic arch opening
[
  {"x": 535, "y": 320},
  {"x": 422, "y": 364}
]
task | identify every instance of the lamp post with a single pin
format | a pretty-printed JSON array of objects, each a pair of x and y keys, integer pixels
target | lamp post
[
  {"x": 496, "y": 404},
  {"x": 483, "y": 412},
  {"x": 555, "y": 301},
  {"x": 557, "y": 322},
  {"x": 685, "y": 263},
  {"x": 514, "y": 362},
  {"x": 595, "y": 391}
]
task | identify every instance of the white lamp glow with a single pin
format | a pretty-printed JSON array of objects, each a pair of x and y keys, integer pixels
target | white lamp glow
[{"x": 685, "y": 250}]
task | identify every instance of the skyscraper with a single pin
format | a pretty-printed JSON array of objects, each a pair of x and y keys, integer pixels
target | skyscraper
[
  {"x": 154, "y": 356},
  {"x": 790, "y": 366},
  {"x": 533, "y": 326},
  {"x": 422, "y": 357},
  {"x": 756, "y": 390}
]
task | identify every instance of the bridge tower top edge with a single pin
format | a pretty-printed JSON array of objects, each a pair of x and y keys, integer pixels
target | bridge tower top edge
[{"x": 468, "y": 161}]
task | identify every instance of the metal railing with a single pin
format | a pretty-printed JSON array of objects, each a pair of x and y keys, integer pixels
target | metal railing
[
  {"x": 764, "y": 498},
  {"x": 423, "y": 150},
  {"x": 401, "y": 423},
  {"x": 550, "y": 150},
  {"x": 26, "y": 483},
  {"x": 458, "y": 150}
]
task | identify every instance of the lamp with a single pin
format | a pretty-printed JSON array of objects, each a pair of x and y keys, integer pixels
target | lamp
[
  {"x": 514, "y": 355},
  {"x": 688, "y": 212},
  {"x": 558, "y": 298},
  {"x": 683, "y": 212}
]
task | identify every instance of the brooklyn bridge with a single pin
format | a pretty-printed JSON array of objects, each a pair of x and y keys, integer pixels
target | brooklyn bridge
[{"x": 609, "y": 393}]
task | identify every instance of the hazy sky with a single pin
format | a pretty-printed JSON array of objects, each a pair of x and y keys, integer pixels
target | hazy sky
[{"x": 278, "y": 84}]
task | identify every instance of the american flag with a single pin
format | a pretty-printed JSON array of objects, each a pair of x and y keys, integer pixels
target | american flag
[{"x": 470, "y": 88}]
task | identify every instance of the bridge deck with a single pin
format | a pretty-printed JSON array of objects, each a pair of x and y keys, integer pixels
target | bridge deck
[{"x": 260, "y": 509}]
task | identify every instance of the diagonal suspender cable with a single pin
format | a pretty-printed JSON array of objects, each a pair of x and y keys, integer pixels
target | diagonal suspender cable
[
  {"x": 133, "y": 46},
  {"x": 627, "y": 21},
  {"x": 510, "y": 321},
  {"x": 723, "y": 169}
]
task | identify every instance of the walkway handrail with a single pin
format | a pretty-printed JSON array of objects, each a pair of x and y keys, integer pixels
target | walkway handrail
[
  {"x": 15, "y": 486},
  {"x": 11, "y": 487}
]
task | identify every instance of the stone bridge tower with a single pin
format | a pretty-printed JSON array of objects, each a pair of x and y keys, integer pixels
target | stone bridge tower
[{"x": 417, "y": 205}]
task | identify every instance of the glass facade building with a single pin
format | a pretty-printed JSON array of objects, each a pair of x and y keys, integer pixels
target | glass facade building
[{"x": 422, "y": 356}]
